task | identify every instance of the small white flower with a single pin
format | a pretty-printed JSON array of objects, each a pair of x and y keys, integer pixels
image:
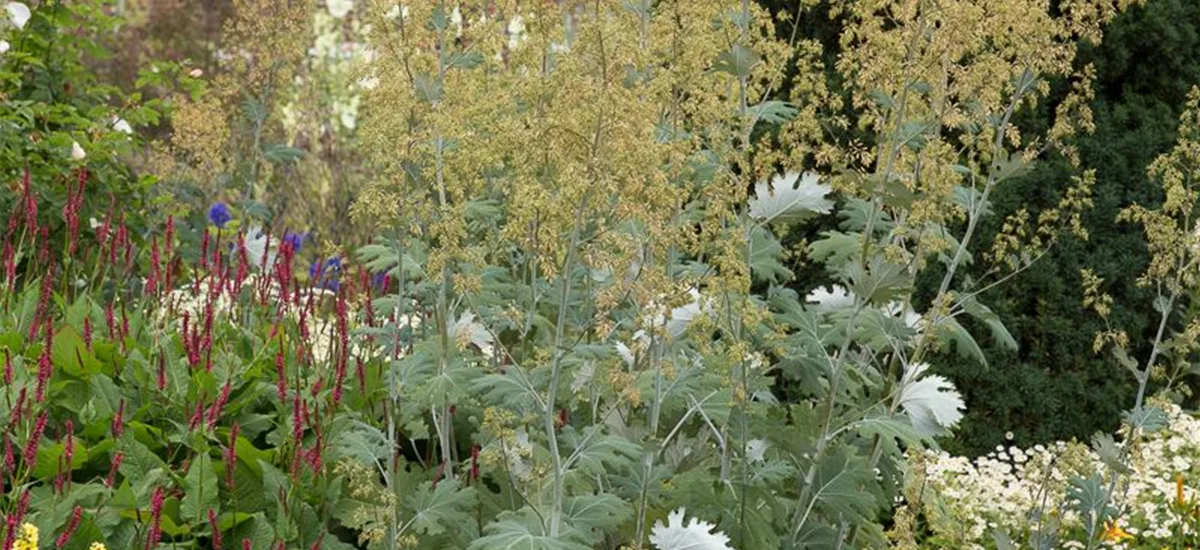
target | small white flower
[
  {"x": 456, "y": 19},
  {"x": 18, "y": 13},
  {"x": 625, "y": 353},
  {"x": 339, "y": 8},
  {"x": 121, "y": 125},
  {"x": 195, "y": 73},
  {"x": 516, "y": 32},
  {"x": 696, "y": 535},
  {"x": 397, "y": 11},
  {"x": 755, "y": 449},
  {"x": 467, "y": 330},
  {"x": 77, "y": 152},
  {"x": 682, "y": 316},
  {"x": 368, "y": 82}
]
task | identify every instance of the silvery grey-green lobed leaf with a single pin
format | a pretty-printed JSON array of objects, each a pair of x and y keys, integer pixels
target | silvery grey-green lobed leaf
[{"x": 790, "y": 197}]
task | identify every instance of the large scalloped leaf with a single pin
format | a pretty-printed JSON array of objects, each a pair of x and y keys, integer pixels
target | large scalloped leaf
[
  {"x": 790, "y": 197},
  {"x": 932, "y": 403}
]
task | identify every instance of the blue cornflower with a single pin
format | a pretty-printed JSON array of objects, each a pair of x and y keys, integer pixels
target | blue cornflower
[
  {"x": 380, "y": 280},
  {"x": 325, "y": 274},
  {"x": 296, "y": 240},
  {"x": 219, "y": 214}
]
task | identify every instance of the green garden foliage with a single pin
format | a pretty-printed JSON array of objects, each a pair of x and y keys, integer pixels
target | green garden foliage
[{"x": 615, "y": 274}]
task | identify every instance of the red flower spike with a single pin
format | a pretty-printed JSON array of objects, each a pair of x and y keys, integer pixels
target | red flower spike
[
  {"x": 87, "y": 333},
  {"x": 280, "y": 375},
  {"x": 35, "y": 437},
  {"x": 231, "y": 455},
  {"x": 216, "y": 529},
  {"x": 118, "y": 421},
  {"x": 65, "y": 537},
  {"x": 112, "y": 471},
  {"x": 10, "y": 461}
]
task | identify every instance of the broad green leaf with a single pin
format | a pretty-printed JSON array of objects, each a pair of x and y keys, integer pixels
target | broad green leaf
[
  {"x": 766, "y": 257},
  {"x": 738, "y": 61},
  {"x": 790, "y": 197},
  {"x": 200, "y": 490},
  {"x": 931, "y": 401},
  {"x": 988, "y": 317},
  {"x": 594, "y": 515},
  {"x": 523, "y": 530},
  {"x": 949, "y": 329},
  {"x": 447, "y": 507}
]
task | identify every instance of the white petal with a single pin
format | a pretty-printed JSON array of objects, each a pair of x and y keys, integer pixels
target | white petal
[
  {"x": 77, "y": 152},
  {"x": 368, "y": 82},
  {"x": 456, "y": 19},
  {"x": 339, "y": 8},
  {"x": 18, "y": 13},
  {"x": 4, "y": 46},
  {"x": 625, "y": 353},
  {"x": 755, "y": 449},
  {"x": 121, "y": 125}
]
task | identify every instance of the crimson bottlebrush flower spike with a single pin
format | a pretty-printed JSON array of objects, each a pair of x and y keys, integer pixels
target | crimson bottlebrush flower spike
[
  {"x": 18, "y": 411},
  {"x": 214, "y": 412},
  {"x": 65, "y": 537},
  {"x": 162, "y": 372},
  {"x": 87, "y": 332},
  {"x": 117, "y": 459},
  {"x": 10, "y": 461},
  {"x": 118, "y": 421},
  {"x": 156, "y": 505},
  {"x": 45, "y": 365},
  {"x": 31, "y": 446},
  {"x": 31, "y": 207},
  {"x": 10, "y": 538},
  {"x": 231, "y": 455},
  {"x": 280, "y": 375},
  {"x": 216, "y": 529}
]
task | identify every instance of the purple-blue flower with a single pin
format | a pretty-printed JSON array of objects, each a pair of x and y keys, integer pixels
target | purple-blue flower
[
  {"x": 219, "y": 214},
  {"x": 325, "y": 274},
  {"x": 295, "y": 240},
  {"x": 381, "y": 280}
]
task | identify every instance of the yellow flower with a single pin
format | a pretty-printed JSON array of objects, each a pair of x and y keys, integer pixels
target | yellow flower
[
  {"x": 1114, "y": 532},
  {"x": 97, "y": 546},
  {"x": 28, "y": 540}
]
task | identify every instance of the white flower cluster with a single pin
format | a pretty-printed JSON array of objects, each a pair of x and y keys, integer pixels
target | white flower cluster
[{"x": 968, "y": 501}]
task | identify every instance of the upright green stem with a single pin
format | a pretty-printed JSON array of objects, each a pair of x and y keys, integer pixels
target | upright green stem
[{"x": 556, "y": 371}]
